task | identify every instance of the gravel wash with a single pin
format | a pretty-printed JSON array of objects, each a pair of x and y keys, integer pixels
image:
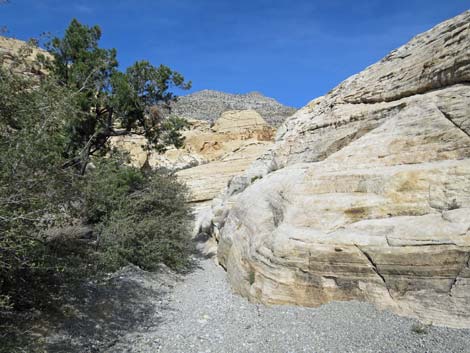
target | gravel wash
[{"x": 203, "y": 315}]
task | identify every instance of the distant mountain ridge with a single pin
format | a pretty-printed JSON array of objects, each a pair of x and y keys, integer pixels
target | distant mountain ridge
[{"x": 209, "y": 105}]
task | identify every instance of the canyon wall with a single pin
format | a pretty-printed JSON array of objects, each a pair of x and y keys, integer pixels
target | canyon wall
[{"x": 366, "y": 193}]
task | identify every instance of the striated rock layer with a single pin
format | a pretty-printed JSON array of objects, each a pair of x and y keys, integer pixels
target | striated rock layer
[
  {"x": 366, "y": 192},
  {"x": 235, "y": 140}
]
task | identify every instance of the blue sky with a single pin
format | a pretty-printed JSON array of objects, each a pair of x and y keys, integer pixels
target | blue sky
[{"x": 291, "y": 50}]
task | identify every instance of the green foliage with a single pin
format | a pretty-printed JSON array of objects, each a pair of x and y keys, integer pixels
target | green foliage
[
  {"x": 453, "y": 205},
  {"x": 140, "y": 217},
  {"x": 420, "y": 328},
  {"x": 35, "y": 192},
  {"x": 251, "y": 277},
  {"x": 107, "y": 187},
  {"x": 112, "y": 103},
  {"x": 149, "y": 223},
  {"x": 59, "y": 224}
]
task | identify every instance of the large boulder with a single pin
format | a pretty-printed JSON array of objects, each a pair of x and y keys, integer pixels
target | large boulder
[{"x": 366, "y": 192}]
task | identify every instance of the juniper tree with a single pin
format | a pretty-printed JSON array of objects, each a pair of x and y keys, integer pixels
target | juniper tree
[{"x": 112, "y": 102}]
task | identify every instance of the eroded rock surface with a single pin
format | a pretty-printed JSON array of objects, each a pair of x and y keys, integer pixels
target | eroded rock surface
[
  {"x": 237, "y": 138},
  {"x": 366, "y": 193}
]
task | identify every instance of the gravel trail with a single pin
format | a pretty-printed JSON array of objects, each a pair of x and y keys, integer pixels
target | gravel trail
[{"x": 203, "y": 315}]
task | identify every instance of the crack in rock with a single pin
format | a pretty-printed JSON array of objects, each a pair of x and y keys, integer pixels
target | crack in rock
[
  {"x": 374, "y": 268},
  {"x": 448, "y": 117},
  {"x": 454, "y": 282}
]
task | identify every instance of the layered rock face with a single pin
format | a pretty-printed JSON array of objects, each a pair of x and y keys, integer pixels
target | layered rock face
[
  {"x": 366, "y": 193},
  {"x": 209, "y": 105},
  {"x": 212, "y": 154},
  {"x": 235, "y": 140}
]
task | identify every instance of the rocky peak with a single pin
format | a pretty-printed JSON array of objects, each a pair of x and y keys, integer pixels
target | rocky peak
[{"x": 209, "y": 105}]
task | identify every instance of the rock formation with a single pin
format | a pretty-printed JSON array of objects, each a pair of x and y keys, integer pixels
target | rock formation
[
  {"x": 366, "y": 193},
  {"x": 233, "y": 143},
  {"x": 228, "y": 131},
  {"x": 209, "y": 105},
  {"x": 21, "y": 57},
  {"x": 212, "y": 155}
]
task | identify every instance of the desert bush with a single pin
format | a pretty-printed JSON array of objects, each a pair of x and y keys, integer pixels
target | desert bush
[
  {"x": 107, "y": 187},
  {"x": 68, "y": 207},
  {"x": 420, "y": 328},
  {"x": 35, "y": 192},
  {"x": 148, "y": 223}
]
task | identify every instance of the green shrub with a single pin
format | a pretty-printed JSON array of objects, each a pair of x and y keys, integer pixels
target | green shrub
[
  {"x": 420, "y": 328},
  {"x": 453, "y": 205},
  {"x": 135, "y": 217},
  {"x": 35, "y": 192},
  {"x": 149, "y": 225},
  {"x": 107, "y": 187}
]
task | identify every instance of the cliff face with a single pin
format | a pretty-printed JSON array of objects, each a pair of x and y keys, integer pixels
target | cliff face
[
  {"x": 209, "y": 105},
  {"x": 366, "y": 192}
]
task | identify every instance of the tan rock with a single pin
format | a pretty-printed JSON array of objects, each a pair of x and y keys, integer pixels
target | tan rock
[
  {"x": 366, "y": 193},
  {"x": 244, "y": 123},
  {"x": 212, "y": 155},
  {"x": 208, "y": 180},
  {"x": 21, "y": 57}
]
